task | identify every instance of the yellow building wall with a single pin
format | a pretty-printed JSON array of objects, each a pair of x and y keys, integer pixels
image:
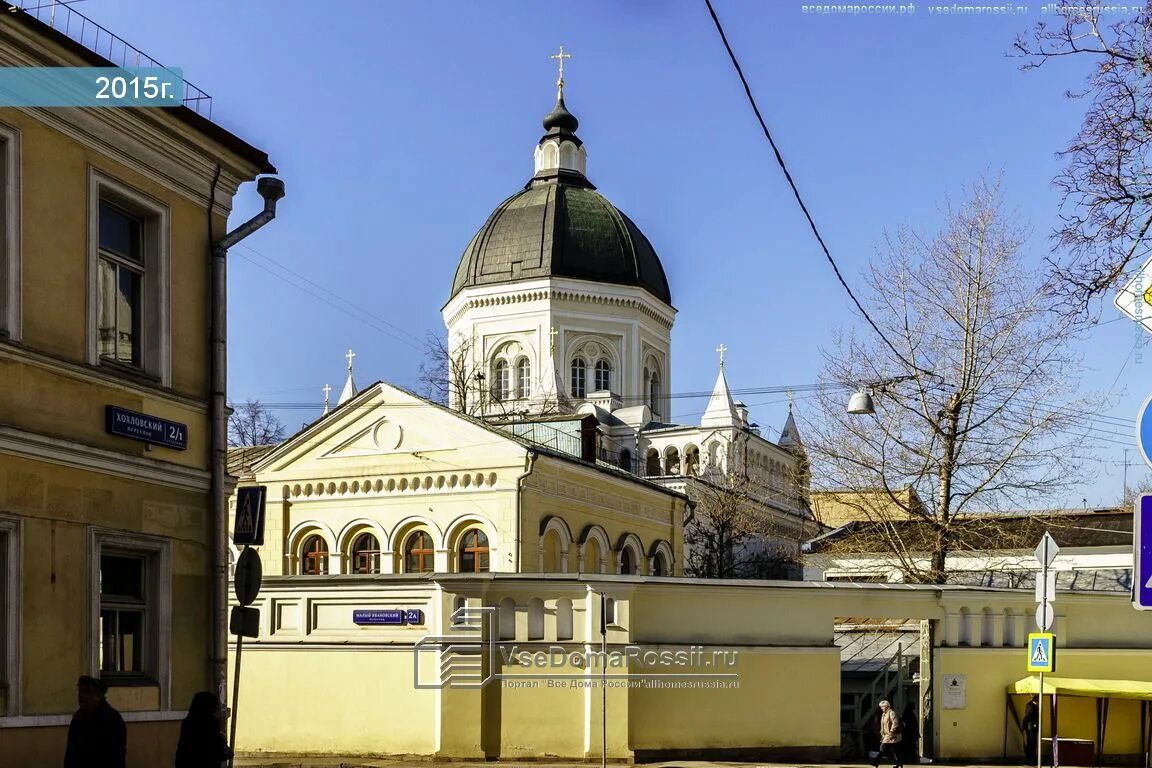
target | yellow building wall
[
  {"x": 58, "y": 504},
  {"x": 835, "y": 508},
  {"x": 977, "y": 731},
  {"x": 584, "y": 497},
  {"x": 780, "y": 701},
  {"x": 333, "y": 702}
]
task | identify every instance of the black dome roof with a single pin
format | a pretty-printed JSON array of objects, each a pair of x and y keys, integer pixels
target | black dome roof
[{"x": 561, "y": 227}]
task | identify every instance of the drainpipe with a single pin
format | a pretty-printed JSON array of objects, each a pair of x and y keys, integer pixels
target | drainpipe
[
  {"x": 271, "y": 189},
  {"x": 529, "y": 463}
]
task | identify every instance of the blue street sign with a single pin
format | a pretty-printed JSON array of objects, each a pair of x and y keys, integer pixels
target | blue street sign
[
  {"x": 1144, "y": 431},
  {"x": 1142, "y": 555},
  {"x": 1040, "y": 649},
  {"x": 249, "y": 528},
  {"x": 148, "y": 429}
]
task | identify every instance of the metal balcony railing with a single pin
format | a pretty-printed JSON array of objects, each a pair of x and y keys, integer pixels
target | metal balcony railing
[{"x": 98, "y": 39}]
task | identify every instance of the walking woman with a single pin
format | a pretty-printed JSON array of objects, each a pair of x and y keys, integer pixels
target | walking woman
[{"x": 201, "y": 743}]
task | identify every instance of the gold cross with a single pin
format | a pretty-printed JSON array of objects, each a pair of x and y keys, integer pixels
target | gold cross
[
  {"x": 721, "y": 349},
  {"x": 552, "y": 339},
  {"x": 560, "y": 82}
]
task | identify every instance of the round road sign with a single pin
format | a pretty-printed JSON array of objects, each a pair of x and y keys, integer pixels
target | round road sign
[
  {"x": 1144, "y": 431},
  {"x": 249, "y": 574}
]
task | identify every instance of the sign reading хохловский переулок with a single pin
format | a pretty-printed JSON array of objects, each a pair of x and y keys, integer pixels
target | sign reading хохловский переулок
[{"x": 149, "y": 429}]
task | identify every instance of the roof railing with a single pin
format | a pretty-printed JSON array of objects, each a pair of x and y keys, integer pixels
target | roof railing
[{"x": 61, "y": 17}]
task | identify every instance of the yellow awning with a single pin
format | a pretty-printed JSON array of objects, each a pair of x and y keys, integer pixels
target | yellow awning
[{"x": 1097, "y": 689}]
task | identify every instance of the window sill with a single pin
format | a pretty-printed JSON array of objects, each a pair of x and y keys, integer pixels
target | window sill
[
  {"x": 129, "y": 681},
  {"x": 129, "y": 372}
]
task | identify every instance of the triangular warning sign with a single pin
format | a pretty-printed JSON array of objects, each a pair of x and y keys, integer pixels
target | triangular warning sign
[
  {"x": 1039, "y": 653},
  {"x": 246, "y": 525}
]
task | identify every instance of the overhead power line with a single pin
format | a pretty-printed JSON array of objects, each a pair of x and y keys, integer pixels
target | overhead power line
[{"x": 796, "y": 192}]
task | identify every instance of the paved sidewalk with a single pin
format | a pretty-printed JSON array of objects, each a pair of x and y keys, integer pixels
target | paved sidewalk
[{"x": 398, "y": 762}]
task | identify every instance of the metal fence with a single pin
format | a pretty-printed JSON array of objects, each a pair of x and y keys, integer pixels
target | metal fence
[{"x": 98, "y": 39}]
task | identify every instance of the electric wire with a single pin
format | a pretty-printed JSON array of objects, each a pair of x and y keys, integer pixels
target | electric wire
[{"x": 796, "y": 191}]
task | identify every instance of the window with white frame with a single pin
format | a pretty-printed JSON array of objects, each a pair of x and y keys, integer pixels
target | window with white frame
[
  {"x": 10, "y": 288},
  {"x": 603, "y": 375},
  {"x": 132, "y": 601},
  {"x": 523, "y": 379},
  {"x": 129, "y": 261},
  {"x": 579, "y": 378},
  {"x": 501, "y": 381},
  {"x": 9, "y": 617}
]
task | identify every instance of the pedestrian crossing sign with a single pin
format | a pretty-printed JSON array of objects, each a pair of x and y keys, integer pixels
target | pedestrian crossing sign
[
  {"x": 249, "y": 528},
  {"x": 1041, "y": 652}
]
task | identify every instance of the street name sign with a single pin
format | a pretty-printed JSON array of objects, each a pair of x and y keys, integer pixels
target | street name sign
[
  {"x": 147, "y": 429},
  {"x": 1142, "y": 555},
  {"x": 249, "y": 528},
  {"x": 1041, "y": 652}
]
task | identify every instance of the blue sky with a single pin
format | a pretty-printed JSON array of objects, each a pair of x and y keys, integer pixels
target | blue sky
[{"x": 398, "y": 127}]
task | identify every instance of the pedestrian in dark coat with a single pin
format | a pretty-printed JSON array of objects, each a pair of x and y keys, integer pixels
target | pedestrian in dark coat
[
  {"x": 201, "y": 744},
  {"x": 1031, "y": 727},
  {"x": 911, "y": 733},
  {"x": 97, "y": 737}
]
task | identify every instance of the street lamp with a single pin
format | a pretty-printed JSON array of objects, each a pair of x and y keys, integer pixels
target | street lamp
[{"x": 861, "y": 401}]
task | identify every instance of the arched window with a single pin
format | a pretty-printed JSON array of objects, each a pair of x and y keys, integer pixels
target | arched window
[
  {"x": 473, "y": 551},
  {"x": 627, "y": 561},
  {"x": 366, "y": 554},
  {"x": 653, "y": 463},
  {"x": 603, "y": 375},
  {"x": 654, "y": 392},
  {"x": 563, "y": 619},
  {"x": 314, "y": 556},
  {"x": 579, "y": 378},
  {"x": 524, "y": 379},
  {"x": 672, "y": 461},
  {"x": 691, "y": 460},
  {"x": 659, "y": 565},
  {"x": 501, "y": 381},
  {"x": 626, "y": 460},
  {"x": 418, "y": 553}
]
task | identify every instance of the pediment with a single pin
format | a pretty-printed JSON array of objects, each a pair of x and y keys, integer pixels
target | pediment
[{"x": 387, "y": 427}]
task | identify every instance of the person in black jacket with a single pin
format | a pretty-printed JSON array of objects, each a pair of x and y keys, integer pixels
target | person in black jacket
[
  {"x": 201, "y": 744},
  {"x": 1031, "y": 727},
  {"x": 97, "y": 737}
]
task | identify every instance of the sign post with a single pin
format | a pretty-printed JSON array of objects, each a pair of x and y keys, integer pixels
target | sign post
[
  {"x": 1041, "y": 642},
  {"x": 245, "y": 621}
]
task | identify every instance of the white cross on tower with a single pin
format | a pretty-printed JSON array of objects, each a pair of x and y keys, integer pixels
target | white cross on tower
[
  {"x": 327, "y": 392},
  {"x": 560, "y": 81},
  {"x": 349, "y": 357},
  {"x": 721, "y": 349}
]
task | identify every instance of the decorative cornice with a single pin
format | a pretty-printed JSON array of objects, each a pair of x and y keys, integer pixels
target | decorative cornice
[
  {"x": 561, "y": 294},
  {"x": 403, "y": 484},
  {"x": 29, "y": 445}
]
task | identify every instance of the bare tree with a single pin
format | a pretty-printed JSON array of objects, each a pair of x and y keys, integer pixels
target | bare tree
[
  {"x": 1132, "y": 494},
  {"x": 454, "y": 376},
  {"x": 449, "y": 373},
  {"x": 251, "y": 423},
  {"x": 974, "y": 399},
  {"x": 735, "y": 530},
  {"x": 1105, "y": 184}
]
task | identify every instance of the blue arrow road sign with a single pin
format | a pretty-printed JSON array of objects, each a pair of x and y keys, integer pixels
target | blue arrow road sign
[
  {"x": 1142, "y": 555},
  {"x": 1144, "y": 431}
]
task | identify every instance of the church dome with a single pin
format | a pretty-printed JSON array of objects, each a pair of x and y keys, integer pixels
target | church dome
[{"x": 560, "y": 226}]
